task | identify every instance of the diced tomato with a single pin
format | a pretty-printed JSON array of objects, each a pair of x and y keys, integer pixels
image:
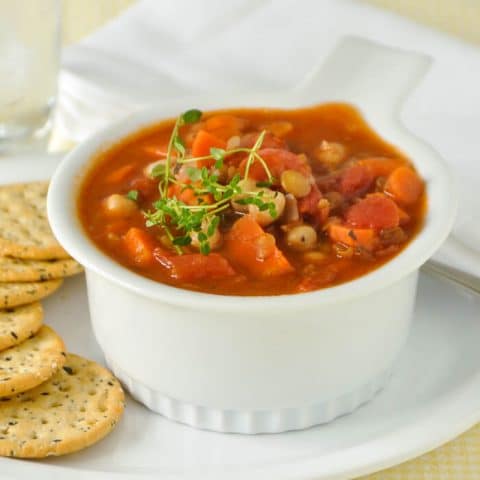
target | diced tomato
[
  {"x": 140, "y": 246},
  {"x": 202, "y": 144},
  {"x": 195, "y": 266},
  {"x": 269, "y": 141},
  {"x": 277, "y": 160},
  {"x": 355, "y": 180},
  {"x": 380, "y": 166},
  {"x": 224, "y": 126},
  {"x": 374, "y": 211},
  {"x": 246, "y": 244},
  {"x": 328, "y": 182},
  {"x": 354, "y": 237},
  {"x": 309, "y": 204},
  {"x": 404, "y": 185},
  {"x": 147, "y": 187}
]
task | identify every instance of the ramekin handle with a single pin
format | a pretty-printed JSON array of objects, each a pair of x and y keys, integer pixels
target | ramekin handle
[{"x": 361, "y": 70}]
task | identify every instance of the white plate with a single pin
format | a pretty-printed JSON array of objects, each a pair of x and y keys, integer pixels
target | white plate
[{"x": 433, "y": 396}]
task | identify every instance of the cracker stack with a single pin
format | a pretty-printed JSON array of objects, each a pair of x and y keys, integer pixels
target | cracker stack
[
  {"x": 51, "y": 402},
  {"x": 32, "y": 262}
]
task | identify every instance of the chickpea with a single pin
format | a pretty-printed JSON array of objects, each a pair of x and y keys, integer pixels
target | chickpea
[
  {"x": 330, "y": 154},
  {"x": 323, "y": 207},
  {"x": 117, "y": 205},
  {"x": 215, "y": 240},
  {"x": 291, "y": 213},
  {"x": 263, "y": 217},
  {"x": 302, "y": 238},
  {"x": 295, "y": 183},
  {"x": 233, "y": 142},
  {"x": 148, "y": 170},
  {"x": 246, "y": 185}
]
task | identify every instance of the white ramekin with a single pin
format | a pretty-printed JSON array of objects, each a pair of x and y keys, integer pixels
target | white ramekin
[{"x": 253, "y": 364}]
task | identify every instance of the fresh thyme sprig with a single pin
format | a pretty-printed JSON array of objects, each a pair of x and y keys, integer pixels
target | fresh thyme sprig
[
  {"x": 132, "y": 195},
  {"x": 176, "y": 142},
  {"x": 183, "y": 222}
]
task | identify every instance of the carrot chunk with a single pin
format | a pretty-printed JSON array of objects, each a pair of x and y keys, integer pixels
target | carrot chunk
[
  {"x": 354, "y": 237},
  {"x": 404, "y": 185},
  {"x": 224, "y": 126},
  {"x": 249, "y": 247},
  {"x": 202, "y": 144},
  {"x": 140, "y": 246},
  {"x": 187, "y": 195},
  {"x": 380, "y": 166},
  {"x": 195, "y": 266},
  {"x": 403, "y": 216},
  {"x": 374, "y": 211}
]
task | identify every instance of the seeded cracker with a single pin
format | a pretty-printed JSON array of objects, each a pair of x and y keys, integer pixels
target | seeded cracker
[
  {"x": 14, "y": 294},
  {"x": 24, "y": 228},
  {"x": 77, "y": 407},
  {"x": 19, "y": 323},
  {"x": 20, "y": 270},
  {"x": 32, "y": 362}
]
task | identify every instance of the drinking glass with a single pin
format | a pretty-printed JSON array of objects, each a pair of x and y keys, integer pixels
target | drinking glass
[{"x": 29, "y": 62}]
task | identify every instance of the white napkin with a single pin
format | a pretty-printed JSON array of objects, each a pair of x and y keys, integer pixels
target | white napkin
[{"x": 177, "y": 48}]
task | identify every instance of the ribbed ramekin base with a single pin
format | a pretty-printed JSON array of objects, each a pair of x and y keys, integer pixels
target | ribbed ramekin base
[{"x": 250, "y": 421}]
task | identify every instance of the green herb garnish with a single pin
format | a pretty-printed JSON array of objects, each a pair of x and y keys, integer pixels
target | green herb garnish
[
  {"x": 132, "y": 195},
  {"x": 176, "y": 143},
  {"x": 181, "y": 222},
  {"x": 218, "y": 155}
]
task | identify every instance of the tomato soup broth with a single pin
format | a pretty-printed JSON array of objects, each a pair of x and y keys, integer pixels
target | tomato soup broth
[{"x": 253, "y": 201}]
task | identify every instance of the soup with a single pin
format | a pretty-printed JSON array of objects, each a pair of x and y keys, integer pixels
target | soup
[{"x": 253, "y": 201}]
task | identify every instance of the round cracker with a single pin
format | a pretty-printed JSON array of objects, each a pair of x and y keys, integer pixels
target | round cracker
[
  {"x": 24, "y": 228},
  {"x": 77, "y": 407},
  {"x": 19, "y": 323},
  {"x": 14, "y": 294},
  {"x": 21, "y": 270},
  {"x": 27, "y": 365}
]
